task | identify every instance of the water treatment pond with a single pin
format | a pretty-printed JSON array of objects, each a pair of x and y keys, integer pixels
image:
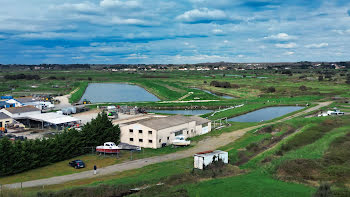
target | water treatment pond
[
  {"x": 116, "y": 92},
  {"x": 265, "y": 114},
  {"x": 183, "y": 112}
]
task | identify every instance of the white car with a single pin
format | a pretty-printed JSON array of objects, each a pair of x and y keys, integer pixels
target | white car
[{"x": 181, "y": 141}]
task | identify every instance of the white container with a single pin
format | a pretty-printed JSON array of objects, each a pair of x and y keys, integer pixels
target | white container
[{"x": 203, "y": 159}]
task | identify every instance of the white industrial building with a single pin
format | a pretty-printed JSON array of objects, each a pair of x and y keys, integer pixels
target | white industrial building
[
  {"x": 19, "y": 112},
  {"x": 203, "y": 159},
  {"x": 157, "y": 132}
]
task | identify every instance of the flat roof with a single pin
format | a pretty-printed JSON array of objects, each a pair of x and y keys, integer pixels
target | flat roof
[
  {"x": 171, "y": 121},
  {"x": 23, "y": 109},
  {"x": 52, "y": 118},
  {"x": 203, "y": 154}
]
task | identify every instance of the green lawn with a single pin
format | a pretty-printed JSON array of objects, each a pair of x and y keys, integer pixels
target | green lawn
[{"x": 252, "y": 184}]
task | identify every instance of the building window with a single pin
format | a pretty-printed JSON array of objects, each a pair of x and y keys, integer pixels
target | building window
[
  {"x": 140, "y": 140},
  {"x": 205, "y": 124},
  {"x": 168, "y": 138},
  {"x": 150, "y": 141},
  {"x": 187, "y": 132},
  {"x": 130, "y": 130},
  {"x": 191, "y": 130},
  {"x": 149, "y": 132},
  {"x": 140, "y": 131},
  {"x": 160, "y": 140},
  {"x": 178, "y": 133},
  {"x": 131, "y": 139}
]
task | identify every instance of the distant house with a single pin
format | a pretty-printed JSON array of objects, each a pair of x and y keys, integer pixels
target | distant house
[
  {"x": 14, "y": 103},
  {"x": 157, "y": 132},
  {"x": 20, "y": 112},
  {"x": 4, "y": 104},
  {"x": 35, "y": 102},
  {"x": 5, "y": 120}
]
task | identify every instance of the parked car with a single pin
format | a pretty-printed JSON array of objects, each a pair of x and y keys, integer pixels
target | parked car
[{"x": 77, "y": 164}]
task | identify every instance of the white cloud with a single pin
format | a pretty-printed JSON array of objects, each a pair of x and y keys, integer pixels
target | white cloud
[
  {"x": 50, "y": 35},
  {"x": 202, "y": 15},
  {"x": 119, "y": 4},
  {"x": 280, "y": 36},
  {"x": 240, "y": 56},
  {"x": 226, "y": 41},
  {"x": 2, "y": 37},
  {"x": 286, "y": 46},
  {"x": 85, "y": 7},
  {"x": 320, "y": 45},
  {"x": 218, "y": 31},
  {"x": 136, "y": 56},
  {"x": 55, "y": 55},
  {"x": 341, "y": 32},
  {"x": 289, "y": 53}
]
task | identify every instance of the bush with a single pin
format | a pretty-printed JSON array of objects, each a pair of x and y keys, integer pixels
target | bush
[
  {"x": 302, "y": 88},
  {"x": 299, "y": 169},
  {"x": 323, "y": 191},
  {"x": 271, "y": 89}
]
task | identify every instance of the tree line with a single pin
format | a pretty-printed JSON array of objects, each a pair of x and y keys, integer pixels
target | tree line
[
  {"x": 20, "y": 156},
  {"x": 22, "y": 76}
]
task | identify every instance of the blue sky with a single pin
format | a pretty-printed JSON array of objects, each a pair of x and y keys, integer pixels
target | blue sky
[{"x": 159, "y": 31}]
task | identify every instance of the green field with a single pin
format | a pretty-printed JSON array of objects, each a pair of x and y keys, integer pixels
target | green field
[{"x": 270, "y": 157}]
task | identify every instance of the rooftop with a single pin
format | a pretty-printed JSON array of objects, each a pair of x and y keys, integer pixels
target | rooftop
[
  {"x": 4, "y": 116},
  {"x": 15, "y": 110},
  {"x": 171, "y": 121},
  {"x": 27, "y": 99}
]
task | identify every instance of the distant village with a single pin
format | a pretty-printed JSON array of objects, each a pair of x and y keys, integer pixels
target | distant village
[{"x": 184, "y": 67}]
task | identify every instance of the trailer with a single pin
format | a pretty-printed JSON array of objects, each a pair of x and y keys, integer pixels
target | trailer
[{"x": 203, "y": 159}]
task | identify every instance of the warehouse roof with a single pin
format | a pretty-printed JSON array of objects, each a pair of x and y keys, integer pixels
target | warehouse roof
[
  {"x": 4, "y": 116},
  {"x": 171, "y": 121},
  {"x": 16, "y": 110},
  {"x": 52, "y": 118}
]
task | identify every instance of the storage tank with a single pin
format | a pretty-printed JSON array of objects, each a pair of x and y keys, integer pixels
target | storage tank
[{"x": 73, "y": 110}]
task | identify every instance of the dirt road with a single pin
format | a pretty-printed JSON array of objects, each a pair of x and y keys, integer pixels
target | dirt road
[{"x": 207, "y": 144}]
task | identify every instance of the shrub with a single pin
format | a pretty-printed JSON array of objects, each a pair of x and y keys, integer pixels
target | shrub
[
  {"x": 302, "y": 88},
  {"x": 271, "y": 89},
  {"x": 323, "y": 191},
  {"x": 299, "y": 169}
]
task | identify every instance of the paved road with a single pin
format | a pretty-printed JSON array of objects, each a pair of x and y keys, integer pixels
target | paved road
[{"x": 204, "y": 145}]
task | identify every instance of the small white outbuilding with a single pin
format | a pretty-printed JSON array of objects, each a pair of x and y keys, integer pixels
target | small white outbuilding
[{"x": 204, "y": 159}]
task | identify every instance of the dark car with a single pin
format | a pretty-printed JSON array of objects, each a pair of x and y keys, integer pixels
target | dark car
[{"x": 77, "y": 164}]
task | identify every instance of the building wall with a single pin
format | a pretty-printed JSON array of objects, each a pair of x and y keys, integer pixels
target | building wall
[
  {"x": 168, "y": 135},
  {"x": 145, "y": 136},
  {"x": 158, "y": 137},
  {"x": 5, "y": 122}
]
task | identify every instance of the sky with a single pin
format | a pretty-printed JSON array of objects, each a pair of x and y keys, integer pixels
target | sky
[{"x": 173, "y": 32}]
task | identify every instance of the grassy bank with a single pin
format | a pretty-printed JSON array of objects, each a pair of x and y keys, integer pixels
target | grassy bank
[{"x": 76, "y": 96}]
